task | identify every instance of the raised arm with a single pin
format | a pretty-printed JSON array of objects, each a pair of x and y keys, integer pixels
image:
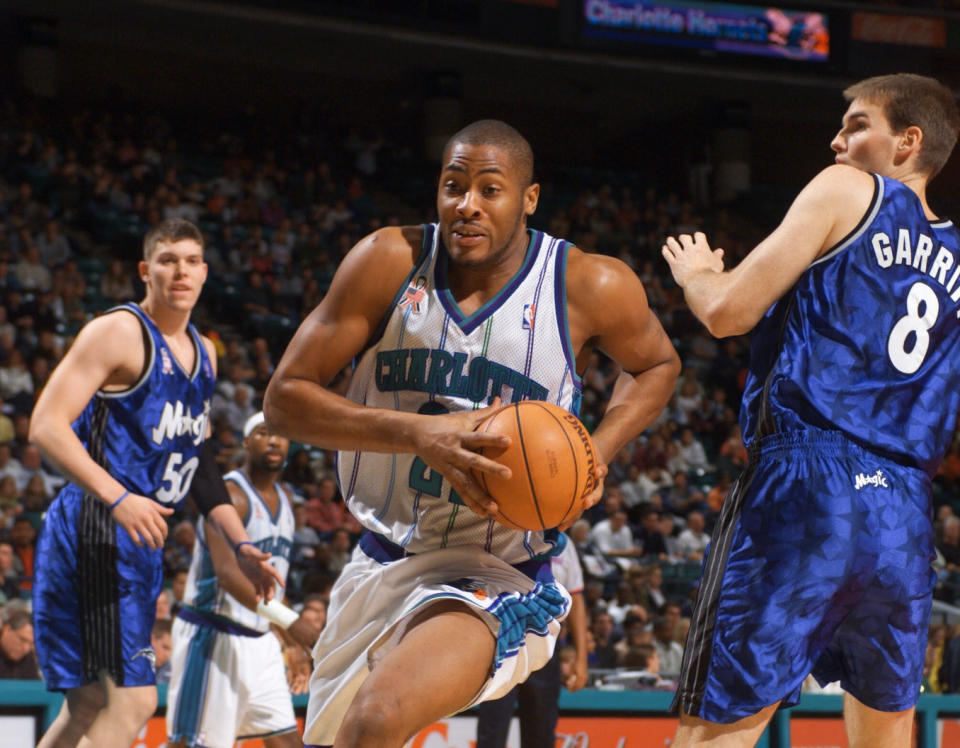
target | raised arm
[
  {"x": 732, "y": 302},
  {"x": 107, "y": 354}
]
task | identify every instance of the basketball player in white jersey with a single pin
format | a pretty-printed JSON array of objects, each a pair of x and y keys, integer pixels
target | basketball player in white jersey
[
  {"x": 440, "y": 606},
  {"x": 227, "y": 678}
]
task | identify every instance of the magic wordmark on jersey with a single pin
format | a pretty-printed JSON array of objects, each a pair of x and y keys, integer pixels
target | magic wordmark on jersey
[
  {"x": 440, "y": 372},
  {"x": 177, "y": 420}
]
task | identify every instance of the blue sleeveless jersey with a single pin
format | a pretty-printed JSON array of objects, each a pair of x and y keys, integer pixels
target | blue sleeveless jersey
[
  {"x": 868, "y": 341},
  {"x": 149, "y": 437}
]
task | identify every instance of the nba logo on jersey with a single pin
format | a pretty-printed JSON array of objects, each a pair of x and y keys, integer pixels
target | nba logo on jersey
[
  {"x": 167, "y": 364},
  {"x": 529, "y": 312}
]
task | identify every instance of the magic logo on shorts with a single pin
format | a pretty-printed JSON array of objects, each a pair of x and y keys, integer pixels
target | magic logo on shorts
[
  {"x": 149, "y": 654},
  {"x": 877, "y": 480}
]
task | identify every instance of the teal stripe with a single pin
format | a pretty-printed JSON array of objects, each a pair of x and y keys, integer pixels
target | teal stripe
[{"x": 193, "y": 685}]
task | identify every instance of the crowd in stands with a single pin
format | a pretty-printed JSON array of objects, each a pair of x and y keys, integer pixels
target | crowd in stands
[{"x": 280, "y": 209}]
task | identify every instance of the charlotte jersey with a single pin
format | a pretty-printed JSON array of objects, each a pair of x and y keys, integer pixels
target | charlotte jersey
[
  {"x": 270, "y": 532},
  {"x": 149, "y": 436},
  {"x": 431, "y": 358},
  {"x": 868, "y": 340}
]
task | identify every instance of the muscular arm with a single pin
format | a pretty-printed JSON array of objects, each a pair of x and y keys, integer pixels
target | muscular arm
[
  {"x": 609, "y": 311},
  {"x": 107, "y": 354},
  {"x": 108, "y": 351},
  {"x": 732, "y": 302},
  {"x": 298, "y": 404}
]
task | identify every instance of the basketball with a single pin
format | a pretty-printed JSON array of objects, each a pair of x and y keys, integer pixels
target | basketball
[{"x": 552, "y": 461}]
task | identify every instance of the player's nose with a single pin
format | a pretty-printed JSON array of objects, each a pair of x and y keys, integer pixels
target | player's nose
[
  {"x": 468, "y": 204},
  {"x": 837, "y": 144}
]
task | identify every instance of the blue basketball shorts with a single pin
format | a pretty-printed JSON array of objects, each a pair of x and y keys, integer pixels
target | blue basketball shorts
[
  {"x": 94, "y": 596},
  {"x": 820, "y": 562}
]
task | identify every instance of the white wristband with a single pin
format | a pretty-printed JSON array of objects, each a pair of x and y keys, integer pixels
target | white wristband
[{"x": 278, "y": 613}]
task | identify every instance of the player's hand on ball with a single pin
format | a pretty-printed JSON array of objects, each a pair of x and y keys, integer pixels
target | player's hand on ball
[
  {"x": 593, "y": 498},
  {"x": 689, "y": 255},
  {"x": 143, "y": 519},
  {"x": 449, "y": 444},
  {"x": 255, "y": 565}
]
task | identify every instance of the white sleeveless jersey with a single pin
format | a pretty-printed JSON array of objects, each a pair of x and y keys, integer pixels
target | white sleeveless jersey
[
  {"x": 271, "y": 533},
  {"x": 431, "y": 358}
]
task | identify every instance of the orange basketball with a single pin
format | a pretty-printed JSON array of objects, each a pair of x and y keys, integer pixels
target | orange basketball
[{"x": 552, "y": 461}]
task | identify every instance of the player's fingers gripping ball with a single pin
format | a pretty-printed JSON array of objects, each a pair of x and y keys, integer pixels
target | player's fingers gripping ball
[{"x": 552, "y": 463}]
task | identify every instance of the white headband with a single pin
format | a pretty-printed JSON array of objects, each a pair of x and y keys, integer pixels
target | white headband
[{"x": 252, "y": 422}]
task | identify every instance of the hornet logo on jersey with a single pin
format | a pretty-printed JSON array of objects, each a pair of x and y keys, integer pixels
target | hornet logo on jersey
[
  {"x": 529, "y": 312},
  {"x": 166, "y": 363},
  {"x": 878, "y": 480},
  {"x": 414, "y": 296}
]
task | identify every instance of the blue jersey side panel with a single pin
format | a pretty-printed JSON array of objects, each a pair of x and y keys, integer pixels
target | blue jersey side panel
[
  {"x": 867, "y": 342},
  {"x": 149, "y": 437}
]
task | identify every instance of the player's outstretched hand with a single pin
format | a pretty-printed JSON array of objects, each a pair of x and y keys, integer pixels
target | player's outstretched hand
[
  {"x": 143, "y": 519},
  {"x": 304, "y": 633},
  {"x": 299, "y": 667},
  {"x": 449, "y": 444},
  {"x": 254, "y": 564},
  {"x": 592, "y": 498},
  {"x": 689, "y": 255}
]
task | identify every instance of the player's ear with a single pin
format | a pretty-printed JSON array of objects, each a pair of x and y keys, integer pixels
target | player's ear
[
  {"x": 142, "y": 270},
  {"x": 909, "y": 142},
  {"x": 531, "y": 196}
]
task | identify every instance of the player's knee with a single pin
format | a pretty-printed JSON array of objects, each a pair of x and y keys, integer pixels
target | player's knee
[
  {"x": 133, "y": 707},
  {"x": 374, "y": 721},
  {"x": 84, "y": 704}
]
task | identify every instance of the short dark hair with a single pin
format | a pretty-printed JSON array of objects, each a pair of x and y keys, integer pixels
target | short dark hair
[
  {"x": 908, "y": 100},
  {"x": 497, "y": 133},
  {"x": 170, "y": 230}
]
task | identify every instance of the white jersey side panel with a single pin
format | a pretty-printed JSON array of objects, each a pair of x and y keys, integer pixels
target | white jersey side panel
[
  {"x": 272, "y": 534},
  {"x": 431, "y": 358}
]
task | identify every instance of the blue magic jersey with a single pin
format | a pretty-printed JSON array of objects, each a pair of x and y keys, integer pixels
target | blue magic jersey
[
  {"x": 149, "y": 437},
  {"x": 431, "y": 358},
  {"x": 868, "y": 340}
]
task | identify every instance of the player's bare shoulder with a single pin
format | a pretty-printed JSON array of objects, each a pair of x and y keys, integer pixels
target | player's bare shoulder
[
  {"x": 839, "y": 195},
  {"x": 594, "y": 279},
  {"x": 603, "y": 296},
  {"x": 378, "y": 264},
  {"x": 116, "y": 339}
]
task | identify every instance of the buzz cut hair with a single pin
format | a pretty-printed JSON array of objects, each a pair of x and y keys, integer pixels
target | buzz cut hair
[
  {"x": 170, "y": 230},
  {"x": 907, "y": 100},
  {"x": 498, "y": 133}
]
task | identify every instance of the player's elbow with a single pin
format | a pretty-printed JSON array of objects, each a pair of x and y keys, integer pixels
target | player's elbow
[
  {"x": 274, "y": 412},
  {"x": 39, "y": 433},
  {"x": 724, "y": 320}
]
